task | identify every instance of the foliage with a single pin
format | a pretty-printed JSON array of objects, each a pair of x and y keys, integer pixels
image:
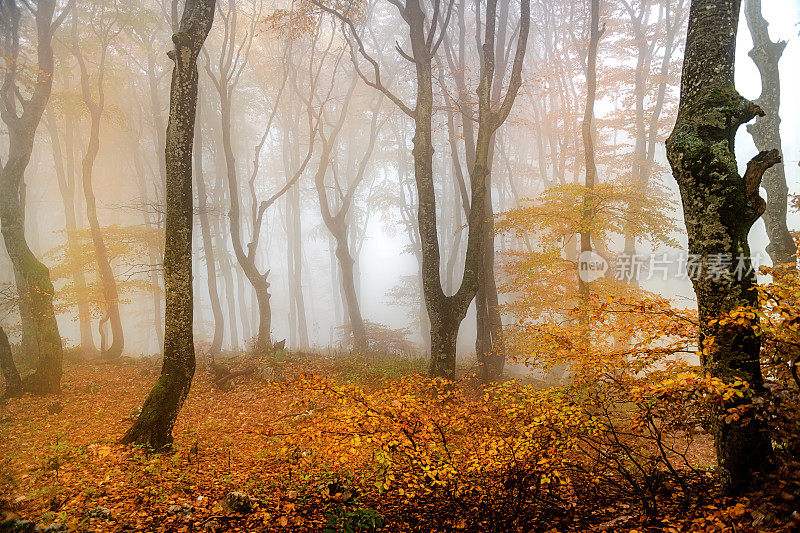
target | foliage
[{"x": 126, "y": 247}]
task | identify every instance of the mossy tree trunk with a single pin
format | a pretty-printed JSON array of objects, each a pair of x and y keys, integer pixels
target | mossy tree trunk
[
  {"x": 720, "y": 207},
  {"x": 22, "y": 117},
  {"x": 154, "y": 426},
  {"x": 766, "y": 133}
]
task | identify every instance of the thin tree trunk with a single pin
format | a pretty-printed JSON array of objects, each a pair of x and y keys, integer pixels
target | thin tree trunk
[
  {"x": 587, "y": 132},
  {"x": 110, "y": 294},
  {"x": 766, "y": 133},
  {"x": 227, "y": 276},
  {"x": 297, "y": 270},
  {"x": 154, "y": 425},
  {"x": 719, "y": 208},
  {"x": 208, "y": 244}
]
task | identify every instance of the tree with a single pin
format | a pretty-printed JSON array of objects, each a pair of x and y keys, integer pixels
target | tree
[
  {"x": 766, "y": 133},
  {"x": 64, "y": 161},
  {"x": 208, "y": 245},
  {"x": 94, "y": 98},
  {"x": 154, "y": 425},
  {"x": 22, "y": 116},
  {"x": 719, "y": 208},
  {"x": 425, "y": 33},
  {"x": 588, "y": 133}
]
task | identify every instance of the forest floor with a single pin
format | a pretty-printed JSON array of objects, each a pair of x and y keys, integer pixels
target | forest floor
[{"x": 60, "y": 464}]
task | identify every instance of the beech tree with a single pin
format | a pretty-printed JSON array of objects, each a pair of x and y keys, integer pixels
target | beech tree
[
  {"x": 425, "y": 34},
  {"x": 94, "y": 98},
  {"x": 719, "y": 208},
  {"x": 154, "y": 425},
  {"x": 21, "y": 116}
]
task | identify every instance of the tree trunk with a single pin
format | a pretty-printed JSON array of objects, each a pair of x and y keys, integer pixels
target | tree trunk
[
  {"x": 719, "y": 208},
  {"x": 587, "y": 133},
  {"x": 227, "y": 276},
  {"x": 766, "y": 133},
  {"x": 246, "y": 260},
  {"x": 153, "y": 251},
  {"x": 154, "y": 426},
  {"x": 110, "y": 294},
  {"x": 36, "y": 290},
  {"x": 208, "y": 245},
  {"x": 244, "y": 312},
  {"x": 13, "y": 382},
  {"x": 66, "y": 185}
]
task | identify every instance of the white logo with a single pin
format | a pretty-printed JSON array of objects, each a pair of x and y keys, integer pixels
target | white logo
[{"x": 591, "y": 266}]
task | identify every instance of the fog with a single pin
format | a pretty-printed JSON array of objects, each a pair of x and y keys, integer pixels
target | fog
[{"x": 282, "y": 78}]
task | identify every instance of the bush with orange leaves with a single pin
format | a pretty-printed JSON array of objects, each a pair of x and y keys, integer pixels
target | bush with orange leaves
[{"x": 507, "y": 456}]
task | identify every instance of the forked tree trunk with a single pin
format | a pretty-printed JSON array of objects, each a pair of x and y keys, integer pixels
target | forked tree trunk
[
  {"x": 720, "y": 207},
  {"x": 766, "y": 133},
  {"x": 36, "y": 289},
  {"x": 154, "y": 426}
]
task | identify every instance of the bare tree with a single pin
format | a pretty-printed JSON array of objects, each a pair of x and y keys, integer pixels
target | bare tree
[
  {"x": 106, "y": 28},
  {"x": 425, "y": 33}
]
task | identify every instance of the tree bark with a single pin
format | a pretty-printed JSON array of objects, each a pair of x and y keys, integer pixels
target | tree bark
[
  {"x": 208, "y": 244},
  {"x": 14, "y": 387},
  {"x": 36, "y": 289},
  {"x": 766, "y": 133},
  {"x": 719, "y": 208},
  {"x": 153, "y": 427}
]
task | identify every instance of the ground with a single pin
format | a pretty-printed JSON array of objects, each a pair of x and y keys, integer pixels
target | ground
[{"x": 59, "y": 462}]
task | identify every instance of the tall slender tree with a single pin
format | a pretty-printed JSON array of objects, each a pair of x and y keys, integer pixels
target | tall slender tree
[
  {"x": 154, "y": 425},
  {"x": 94, "y": 98}
]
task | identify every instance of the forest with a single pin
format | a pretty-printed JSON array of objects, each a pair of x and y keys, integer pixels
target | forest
[{"x": 400, "y": 265}]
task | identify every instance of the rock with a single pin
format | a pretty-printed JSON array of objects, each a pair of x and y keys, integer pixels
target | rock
[
  {"x": 212, "y": 525},
  {"x": 239, "y": 502},
  {"x": 100, "y": 512}
]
